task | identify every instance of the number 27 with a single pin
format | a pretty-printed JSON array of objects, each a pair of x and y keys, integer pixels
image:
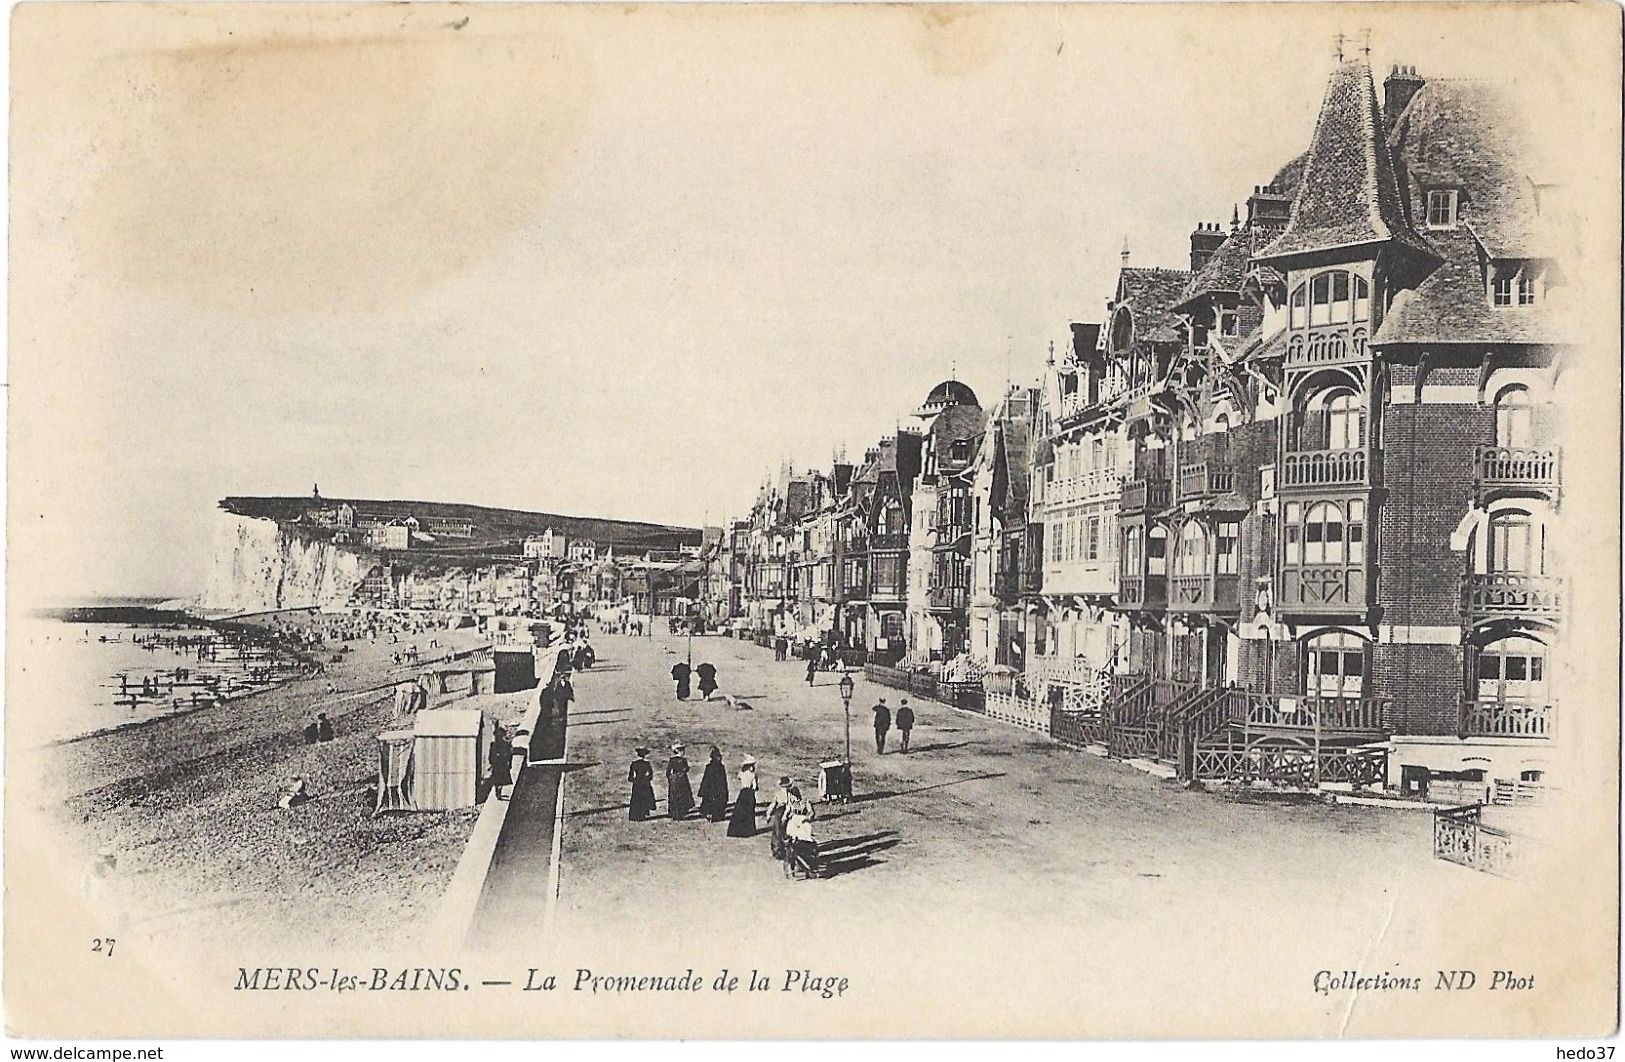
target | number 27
[{"x": 103, "y": 945}]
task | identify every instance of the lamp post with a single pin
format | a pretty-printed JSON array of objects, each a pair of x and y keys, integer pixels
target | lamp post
[{"x": 846, "y": 702}]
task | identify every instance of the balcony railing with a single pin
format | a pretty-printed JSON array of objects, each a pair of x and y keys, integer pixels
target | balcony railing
[
  {"x": 1337, "y": 344},
  {"x": 1363, "y": 715},
  {"x": 1205, "y": 478},
  {"x": 1323, "y": 588},
  {"x": 888, "y": 593},
  {"x": 1202, "y": 593},
  {"x": 1508, "y": 719},
  {"x": 1142, "y": 592},
  {"x": 1141, "y": 494},
  {"x": 898, "y": 541},
  {"x": 1512, "y": 594},
  {"x": 1324, "y": 468},
  {"x": 941, "y": 597},
  {"x": 1512, "y": 466}
]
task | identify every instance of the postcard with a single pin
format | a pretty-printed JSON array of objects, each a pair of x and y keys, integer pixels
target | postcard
[{"x": 783, "y": 521}]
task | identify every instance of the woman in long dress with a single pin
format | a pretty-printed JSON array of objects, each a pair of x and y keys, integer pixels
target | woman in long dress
[
  {"x": 743, "y": 823},
  {"x": 714, "y": 788},
  {"x": 679, "y": 797},
  {"x": 775, "y": 817},
  {"x": 641, "y": 775}
]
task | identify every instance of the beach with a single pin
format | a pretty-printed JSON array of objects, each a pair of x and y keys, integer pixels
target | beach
[{"x": 188, "y": 802}]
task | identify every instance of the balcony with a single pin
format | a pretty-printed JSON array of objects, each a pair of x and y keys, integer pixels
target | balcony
[
  {"x": 1145, "y": 593},
  {"x": 1508, "y": 719},
  {"x": 1502, "y": 467},
  {"x": 1205, "y": 479},
  {"x": 1324, "y": 468},
  {"x": 1010, "y": 584},
  {"x": 942, "y": 598},
  {"x": 1140, "y": 495},
  {"x": 1323, "y": 589},
  {"x": 1512, "y": 594},
  {"x": 879, "y": 542},
  {"x": 883, "y": 593},
  {"x": 1323, "y": 345},
  {"x": 1203, "y": 593}
]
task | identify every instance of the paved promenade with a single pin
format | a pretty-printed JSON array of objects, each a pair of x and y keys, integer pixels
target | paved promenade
[{"x": 977, "y": 817}]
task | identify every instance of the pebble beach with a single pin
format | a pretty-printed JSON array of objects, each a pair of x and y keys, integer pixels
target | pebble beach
[{"x": 188, "y": 803}]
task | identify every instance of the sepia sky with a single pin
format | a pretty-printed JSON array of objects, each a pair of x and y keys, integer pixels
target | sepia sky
[{"x": 610, "y": 261}]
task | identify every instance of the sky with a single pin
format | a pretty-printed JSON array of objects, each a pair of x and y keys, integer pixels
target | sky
[{"x": 615, "y": 261}]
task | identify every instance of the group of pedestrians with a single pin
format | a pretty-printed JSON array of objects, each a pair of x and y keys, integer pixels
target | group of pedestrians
[
  {"x": 790, "y": 815},
  {"x": 682, "y": 674},
  {"x": 714, "y": 803},
  {"x": 883, "y": 724}
]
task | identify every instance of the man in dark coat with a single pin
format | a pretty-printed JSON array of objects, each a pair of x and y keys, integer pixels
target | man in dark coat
[
  {"x": 812, "y": 667},
  {"x": 882, "y": 725},
  {"x": 905, "y": 722},
  {"x": 679, "y": 673}
]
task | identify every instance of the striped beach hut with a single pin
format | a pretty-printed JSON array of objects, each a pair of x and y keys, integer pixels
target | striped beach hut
[{"x": 448, "y": 757}]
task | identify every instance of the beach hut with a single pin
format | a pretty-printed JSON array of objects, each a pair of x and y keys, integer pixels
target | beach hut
[
  {"x": 515, "y": 668},
  {"x": 464, "y": 676},
  {"x": 448, "y": 757},
  {"x": 395, "y": 771}
]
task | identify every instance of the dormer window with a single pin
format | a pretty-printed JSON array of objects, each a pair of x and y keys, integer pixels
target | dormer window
[
  {"x": 1515, "y": 284},
  {"x": 1228, "y": 323},
  {"x": 1441, "y": 208}
]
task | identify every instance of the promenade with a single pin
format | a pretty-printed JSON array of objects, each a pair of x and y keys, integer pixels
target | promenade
[{"x": 979, "y": 824}]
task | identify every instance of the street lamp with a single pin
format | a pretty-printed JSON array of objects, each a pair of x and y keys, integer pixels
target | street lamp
[{"x": 846, "y": 702}]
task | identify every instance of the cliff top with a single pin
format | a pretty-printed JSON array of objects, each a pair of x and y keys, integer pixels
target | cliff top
[{"x": 489, "y": 526}]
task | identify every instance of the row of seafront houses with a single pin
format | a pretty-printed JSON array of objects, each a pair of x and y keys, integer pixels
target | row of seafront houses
[
  {"x": 1288, "y": 514},
  {"x": 541, "y": 574}
]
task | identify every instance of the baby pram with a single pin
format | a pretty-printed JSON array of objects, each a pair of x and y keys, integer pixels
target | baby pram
[
  {"x": 800, "y": 849},
  {"x": 834, "y": 782}
]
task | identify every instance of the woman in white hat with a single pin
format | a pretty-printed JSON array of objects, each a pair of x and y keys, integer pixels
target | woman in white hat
[
  {"x": 679, "y": 794},
  {"x": 743, "y": 823}
]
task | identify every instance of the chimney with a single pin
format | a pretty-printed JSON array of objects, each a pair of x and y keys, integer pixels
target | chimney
[
  {"x": 1269, "y": 209},
  {"x": 1397, "y": 89},
  {"x": 1205, "y": 239},
  {"x": 1125, "y": 252}
]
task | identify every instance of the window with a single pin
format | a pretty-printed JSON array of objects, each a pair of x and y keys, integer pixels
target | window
[
  {"x": 1334, "y": 665},
  {"x": 1501, "y": 291},
  {"x": 1229, "y": 535},
  {"x": 1295, "y": 312},
  {"x": 1324, "y": 533},
  {"x": 1333, "y": 420},
  {"x": 1526, "y": 289},
  {"x": 1156, "y": 549},
  {"x": 1516, "y": 544},
  {"x": 1191, "y": 556},
  {"x": 1071, "y": 540},
  {"x": 1320, "y": 300},
  {"x": 1092, "y": 550},
  {"x": 1228, "y": 324},
  {"x": 1054, "y": 533},
  {"x": 1133, "y": 546},
  {"x": 1362, "y": 299},
  {"x": 1441, "y": 208},
  {"x": 1513, "y": 413},
  {"x": 1511, "y": 669}
]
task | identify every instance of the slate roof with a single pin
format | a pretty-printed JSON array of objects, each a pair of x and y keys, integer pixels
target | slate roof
[
  {"x": 1224, "y": 271},
  {"x": 1348, "y": 194},
  {"x": 954, "y": 424},
  {"x": 1151, "y": 295},
  {"x": 1468, "y": 135}
]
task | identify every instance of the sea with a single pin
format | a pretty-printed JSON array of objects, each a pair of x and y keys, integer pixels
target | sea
[{"x": 77, "y": 671}]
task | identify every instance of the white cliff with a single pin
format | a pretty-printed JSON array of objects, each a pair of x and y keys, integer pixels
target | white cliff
[{"x": 257, "y": 566}]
